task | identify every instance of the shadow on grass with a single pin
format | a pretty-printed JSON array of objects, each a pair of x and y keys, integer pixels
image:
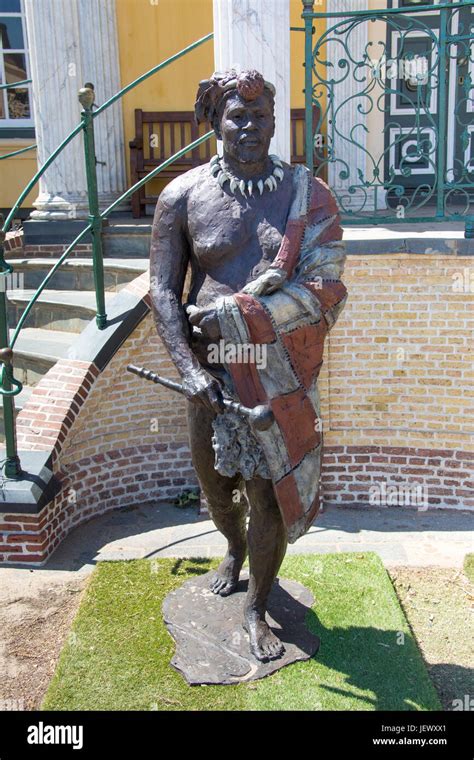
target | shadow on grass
[
  {"x": 184, "y": 567},
  {"x": 371, "y": 660}
]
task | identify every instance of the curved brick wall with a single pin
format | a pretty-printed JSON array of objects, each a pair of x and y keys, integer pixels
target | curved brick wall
[
  {"x": 396, "y": 403},
  {"x": 397, "y": 383}
]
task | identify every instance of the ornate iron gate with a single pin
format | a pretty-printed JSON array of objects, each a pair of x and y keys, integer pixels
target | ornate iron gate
[{"x": 395, "y": 139}]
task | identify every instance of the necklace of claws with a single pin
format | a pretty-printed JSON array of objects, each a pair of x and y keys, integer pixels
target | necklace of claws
[{"x": 224, "y": 175}]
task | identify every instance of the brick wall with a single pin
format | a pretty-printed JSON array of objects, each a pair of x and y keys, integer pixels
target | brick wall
[
  {"x": 396, "y": 386},
  {"x": 429, "y": 477},
  {"x": 13, "y": 244},
  {"x": 396, "y": 391},
  {"x": 47, "y": 250},
  {"x": 15, "y": 247},
  {"x": 117, "y": 442}
]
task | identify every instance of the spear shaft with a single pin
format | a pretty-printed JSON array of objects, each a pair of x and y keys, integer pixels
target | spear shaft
[{"x": 260, "y": 417}]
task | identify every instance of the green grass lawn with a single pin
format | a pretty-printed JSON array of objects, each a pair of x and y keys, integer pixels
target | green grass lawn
[{"x": 118, "y": 652}]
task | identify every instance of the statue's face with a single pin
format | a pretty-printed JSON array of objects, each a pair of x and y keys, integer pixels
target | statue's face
[{"x": 247, "y": 127}]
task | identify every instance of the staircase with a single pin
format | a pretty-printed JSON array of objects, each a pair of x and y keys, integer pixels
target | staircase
[{"x": 68, "y": 305}]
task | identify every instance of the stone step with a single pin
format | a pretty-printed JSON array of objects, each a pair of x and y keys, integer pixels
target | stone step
[
  {"x": 36, "y": 351},
  {"x": 122, "y": 235},
  {"x": 75, "y": 274},
  {"x": 65, "y": 310},
  {"x": 127, "y": 239}
]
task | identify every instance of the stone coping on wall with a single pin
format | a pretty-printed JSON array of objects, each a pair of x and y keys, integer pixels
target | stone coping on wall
[
  {"x": 404, "y": 238},
  {"x": 37, "y": 486}
]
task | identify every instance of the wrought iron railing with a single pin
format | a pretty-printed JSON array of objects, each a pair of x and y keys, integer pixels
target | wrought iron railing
[
  {"x": 9, "y": 385},
  {"x": 396, "y": 136}
]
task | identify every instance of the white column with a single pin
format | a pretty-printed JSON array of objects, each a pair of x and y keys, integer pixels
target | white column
[
  {"x": 255, "y": 34},
  {"x": 351, "y": 158},
  {"x": 72, "y": 42}
]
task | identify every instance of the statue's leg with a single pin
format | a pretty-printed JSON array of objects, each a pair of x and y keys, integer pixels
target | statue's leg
[
  {"x": 227, "y": 512},
  {"x": 267, "y": 542}
]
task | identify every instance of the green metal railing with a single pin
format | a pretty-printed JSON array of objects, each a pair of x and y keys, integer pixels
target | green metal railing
[
  {"x": 17, "y": 152},
  {"x": 9, "y": 386},
  {"x": 13, "y": 85},
  {"x": 421, "y": 90}
]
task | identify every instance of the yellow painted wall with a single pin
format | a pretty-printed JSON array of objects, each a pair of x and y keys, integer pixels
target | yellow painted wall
[
  {"x": 16, "y": 172},
  {"x": 149, "y": 33}
]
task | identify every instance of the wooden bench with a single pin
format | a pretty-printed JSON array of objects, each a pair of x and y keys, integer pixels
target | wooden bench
[{"x": 160, "y": 134}]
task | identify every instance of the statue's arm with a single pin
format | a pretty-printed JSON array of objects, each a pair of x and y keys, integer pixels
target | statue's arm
[
  {"x": 169, "y": 257},
  {"x": 323, "y": 216}
]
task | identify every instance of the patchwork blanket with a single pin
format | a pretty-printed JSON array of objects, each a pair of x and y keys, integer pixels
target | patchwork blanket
[{"x": 290, "y": 324}]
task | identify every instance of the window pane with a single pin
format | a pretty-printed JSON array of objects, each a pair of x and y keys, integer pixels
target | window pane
[
  {"x": 19, "y": 104},
  {"x": 11, "y": 33},
  {"x": 15, "y": 67},
  {"x": 2, "y": 109},
  {"x": 10, "y": 6}
]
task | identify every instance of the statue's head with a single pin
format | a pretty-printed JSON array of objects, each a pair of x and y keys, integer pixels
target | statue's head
[{"x": 240, "y": 108}]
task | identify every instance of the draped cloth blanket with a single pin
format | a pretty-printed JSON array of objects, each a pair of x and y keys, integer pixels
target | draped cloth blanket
[{"x": 290, "y": 325}]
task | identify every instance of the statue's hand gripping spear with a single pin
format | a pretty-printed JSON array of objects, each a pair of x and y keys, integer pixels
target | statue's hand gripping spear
[{"x": 260, "y": 417}]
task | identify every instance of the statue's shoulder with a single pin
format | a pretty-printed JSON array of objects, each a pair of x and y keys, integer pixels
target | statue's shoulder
[{"x": 176, "y": 193}]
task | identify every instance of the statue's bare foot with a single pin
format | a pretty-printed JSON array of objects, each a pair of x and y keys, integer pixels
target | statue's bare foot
[
  {"x": 227, "y": 575},
  {"x": 264, "y": 645}
]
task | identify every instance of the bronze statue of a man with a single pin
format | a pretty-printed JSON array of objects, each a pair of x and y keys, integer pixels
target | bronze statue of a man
[{"x": 263, "y": 241}]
